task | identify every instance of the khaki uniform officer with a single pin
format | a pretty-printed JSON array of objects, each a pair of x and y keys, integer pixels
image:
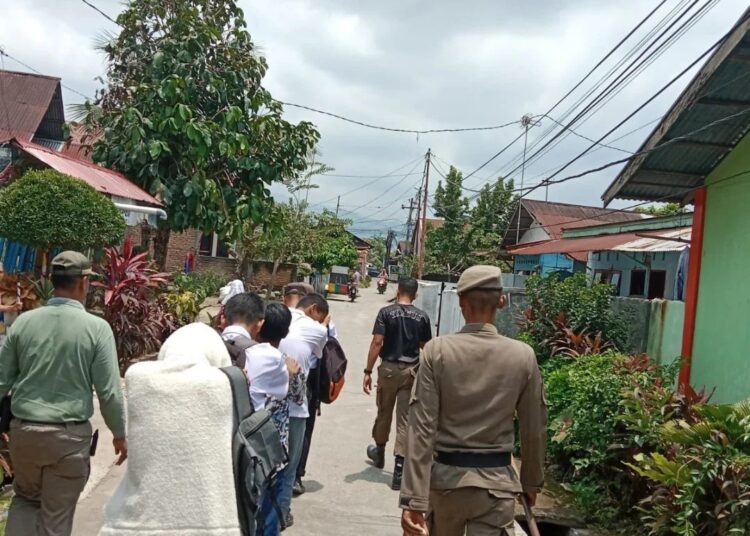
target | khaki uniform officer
[{"x": 468, "y": 390}]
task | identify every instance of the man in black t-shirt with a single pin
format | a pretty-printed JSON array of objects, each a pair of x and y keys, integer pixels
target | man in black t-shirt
[{"x": 400, "y": 331}]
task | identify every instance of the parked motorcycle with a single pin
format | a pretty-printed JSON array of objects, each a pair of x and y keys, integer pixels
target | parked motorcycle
[{"x": 382, "y": 285}]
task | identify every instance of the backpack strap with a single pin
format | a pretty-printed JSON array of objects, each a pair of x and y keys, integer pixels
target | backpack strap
[
  {"x": 243, "y": 407},
  {"x": 236, "y": 348}
]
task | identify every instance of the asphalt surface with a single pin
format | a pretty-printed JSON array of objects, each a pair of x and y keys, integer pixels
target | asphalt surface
[{"x": 345, "y": 494}]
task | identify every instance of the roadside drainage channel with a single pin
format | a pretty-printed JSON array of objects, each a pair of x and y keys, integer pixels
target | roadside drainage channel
[{"x": 547, "y": 528}]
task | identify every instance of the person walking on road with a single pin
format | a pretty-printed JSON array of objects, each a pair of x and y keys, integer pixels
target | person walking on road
[
  {"x": 400, "y": 331},
  {"x": 50, "y": 361},
  {"x": 459, "y": 478}
]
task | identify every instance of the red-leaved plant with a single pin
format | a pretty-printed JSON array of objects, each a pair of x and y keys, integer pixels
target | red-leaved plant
[{"x": 139, "y": 320}]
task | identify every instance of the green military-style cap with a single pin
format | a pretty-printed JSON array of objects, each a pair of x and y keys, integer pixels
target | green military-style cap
[
  {"x": 71, "y": 263},
  {"x": 480, "y": 277}
]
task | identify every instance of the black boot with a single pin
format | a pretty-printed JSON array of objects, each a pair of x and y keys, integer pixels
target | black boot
[
  {"x": 377, "y": 454},
  {"x": 398, "y": 473}
]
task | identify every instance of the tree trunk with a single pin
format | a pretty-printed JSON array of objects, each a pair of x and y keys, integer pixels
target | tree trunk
[
  {"x": 161, "y": 246},
  {"x": 276, "y": 264}
]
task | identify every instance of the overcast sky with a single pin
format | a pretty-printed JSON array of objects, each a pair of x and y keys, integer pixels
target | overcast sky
[{"x": 414, "y": 65}]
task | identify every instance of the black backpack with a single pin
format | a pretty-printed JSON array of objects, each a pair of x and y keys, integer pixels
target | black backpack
[
  {"x": 236, "y": 348},
  {"x": 332, "y": 371},
  {"x": 257, "y": 453}
]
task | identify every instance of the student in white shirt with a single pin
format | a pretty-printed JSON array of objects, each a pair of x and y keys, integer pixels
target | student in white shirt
[
  {"x": 244, "y": 313},
  {"x": 270, "y": 374},
  {"x": 305, "y": 342}
]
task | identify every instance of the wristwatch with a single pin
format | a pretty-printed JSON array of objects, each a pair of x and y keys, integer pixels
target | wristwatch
[{"x": 368, "y": 371}]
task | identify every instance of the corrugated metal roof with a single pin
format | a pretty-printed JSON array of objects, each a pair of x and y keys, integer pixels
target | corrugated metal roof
[
  {"x": 631, "y": 241},
  {"x": 721, "y": 89},
  {"x": 100, "y": 178},
  {"x": 24, "y": 101},
  {"x": 663, "y": 243},
  {"x": 555, "y": 217}
]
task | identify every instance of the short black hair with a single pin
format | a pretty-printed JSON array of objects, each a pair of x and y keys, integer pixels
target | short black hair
[
  {"x": 247, "y": 308},
  {"x": 315, "y": 299},
  {"x": 64, "y": 282},
  {"x": 483, "y": 300},
  {"x": 276, "y": 324},
  {"x": 408, "y": 286}
]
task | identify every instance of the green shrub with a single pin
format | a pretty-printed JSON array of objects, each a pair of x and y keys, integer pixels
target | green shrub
[
  {"x": 589, "y": 441},
  {"x": 574, "y": 304},
  {"x": 185, "y": 306},
  {"x": 201, "y": 284},
  {"x": 47, "y": 209},
  {"x": 702, "y": 474}
]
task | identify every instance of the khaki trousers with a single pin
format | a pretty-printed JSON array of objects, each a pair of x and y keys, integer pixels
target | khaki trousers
[
  {"x": 471, "y": 511},
  {"x": 395, "y": 381},
  {"x": 51, "y": 465}
]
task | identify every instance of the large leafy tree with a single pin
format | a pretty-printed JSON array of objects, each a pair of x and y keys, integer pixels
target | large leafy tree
[
  {"x": 448, "y": 247},
  {"x": 184, "y": 114},
  {"x": 490, "y": 218},
  {"x": 292, "y": 234},
  {"x": 469, "y": 235}
]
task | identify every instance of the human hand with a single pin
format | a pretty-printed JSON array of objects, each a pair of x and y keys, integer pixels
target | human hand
[
  {"x": 414, "y": 523},
  {"x": 121, "y": 449},
  {"x": 18, "y": 306},
  {"x": 367, "y": 384},
  {"x": 292, "y": 366},
  {"x": 531, "y": 497}
]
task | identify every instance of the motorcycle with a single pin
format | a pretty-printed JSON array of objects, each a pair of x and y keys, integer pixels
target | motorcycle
[
  {"x": 382, "y": 285},
  {"x": 352, "y": 292}
]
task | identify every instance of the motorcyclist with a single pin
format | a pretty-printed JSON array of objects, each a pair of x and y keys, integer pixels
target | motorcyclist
[
  {"x": 356, "y": 280},
  {"x": 382, "y": 279}
]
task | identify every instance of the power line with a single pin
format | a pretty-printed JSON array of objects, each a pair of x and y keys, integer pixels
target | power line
[
  {"x": 389, "y": 129},
  {"x": 389, "y": 174},
  {"x": 363, "y": 176},
  {"x": 591, "y": 71},
  {"x": 629, "y": 73},
  {"x": 102, "y": 13},
  {"x": 3, "y": 52}
]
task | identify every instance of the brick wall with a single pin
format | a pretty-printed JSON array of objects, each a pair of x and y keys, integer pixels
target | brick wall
[
  {"x": 261, "y": 275},
  {"x": 219, "y": 265},
  {"x": 179, "y": 246}
]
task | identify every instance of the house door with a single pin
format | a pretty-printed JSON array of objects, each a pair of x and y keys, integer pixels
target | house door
[{"x": 657, "y": 284}]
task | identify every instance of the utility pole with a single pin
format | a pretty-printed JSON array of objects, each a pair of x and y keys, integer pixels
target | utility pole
[
  {"x": 338, "y": 203},
  {"x": 408, "y": 222},
  {"x": 414, "y": 237},
  {"x": 388, "y": 245},
  {"x": 527, "y": 121},
  {"x": 423, "y": 228}
]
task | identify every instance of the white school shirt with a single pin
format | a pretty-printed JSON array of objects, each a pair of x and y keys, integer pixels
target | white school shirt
[
  {"x": 304, "y": 344},
  {"x": 266, "y": 370}
]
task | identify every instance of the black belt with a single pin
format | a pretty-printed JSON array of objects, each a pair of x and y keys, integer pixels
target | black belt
[
  {"x": 52, "y": 423},
  {"x": 474, "y": 459}
]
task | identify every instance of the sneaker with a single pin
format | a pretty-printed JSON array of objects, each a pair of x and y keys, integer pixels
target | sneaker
[
  {"x": 288, "y": 521},
  {"x": 376, "y": 453},
  {"x": 398, "y": 473},
  {"x": 298, "y": 488}
]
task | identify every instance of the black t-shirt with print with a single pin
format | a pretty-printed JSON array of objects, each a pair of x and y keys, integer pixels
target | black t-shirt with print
[{"x": 404, "y": 328}]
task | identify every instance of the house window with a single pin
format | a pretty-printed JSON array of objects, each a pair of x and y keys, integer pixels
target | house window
[
  {"x": 638, "y": 283},
  {"x": 212, "y": 246},
  {"x": 612, "y": 277},
  {"x": 657, "y": 284},
  {"x": 207, "y": 245}
]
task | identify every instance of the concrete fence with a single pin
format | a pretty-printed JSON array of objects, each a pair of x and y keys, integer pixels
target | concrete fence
[{"x": 654, "y": 326}]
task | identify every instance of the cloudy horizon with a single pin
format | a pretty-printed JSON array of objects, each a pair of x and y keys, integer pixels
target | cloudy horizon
[{"x": 416, "y": 65}]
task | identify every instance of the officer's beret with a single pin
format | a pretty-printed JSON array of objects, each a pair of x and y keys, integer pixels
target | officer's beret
[
  {"x": 480, "y": 277},
  {"x": 303, "y": 289}
]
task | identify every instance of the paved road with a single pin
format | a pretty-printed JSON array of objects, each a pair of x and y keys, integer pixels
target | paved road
[{"x": 346, "y": 494}]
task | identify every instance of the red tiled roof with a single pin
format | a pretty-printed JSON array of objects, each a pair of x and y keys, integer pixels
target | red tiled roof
[
  {"x": 100, "y": 178},
  {"x": 24, "y": 100},
  {"x": 555, "y": 217}
]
